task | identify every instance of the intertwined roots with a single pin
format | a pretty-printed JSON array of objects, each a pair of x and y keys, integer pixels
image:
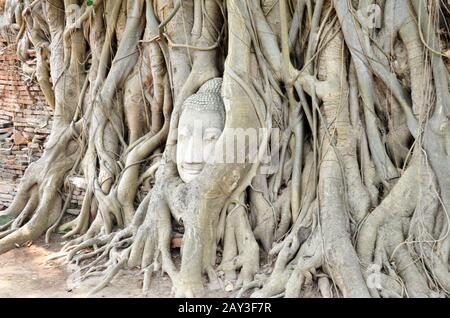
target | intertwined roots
[{"x": 358, "y": 205}]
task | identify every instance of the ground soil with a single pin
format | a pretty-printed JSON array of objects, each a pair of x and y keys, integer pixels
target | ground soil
[{"x": 26, "y": 272}]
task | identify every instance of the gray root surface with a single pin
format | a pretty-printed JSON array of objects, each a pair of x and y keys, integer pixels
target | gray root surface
[{"x": 355, "y": 206}]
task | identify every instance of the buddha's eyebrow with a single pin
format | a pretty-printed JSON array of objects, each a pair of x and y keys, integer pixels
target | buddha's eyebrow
[{"x": 211, "y": 130}]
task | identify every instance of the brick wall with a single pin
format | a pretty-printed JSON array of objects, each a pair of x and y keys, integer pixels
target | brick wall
[{"x": 25, "y": 123}]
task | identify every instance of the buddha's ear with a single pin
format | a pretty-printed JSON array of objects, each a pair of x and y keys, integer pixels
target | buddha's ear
[{"x": 176, "y": 131}]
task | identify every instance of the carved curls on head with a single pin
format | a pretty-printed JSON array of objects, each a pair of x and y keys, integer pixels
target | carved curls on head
[{"x": 208, "y": 98}]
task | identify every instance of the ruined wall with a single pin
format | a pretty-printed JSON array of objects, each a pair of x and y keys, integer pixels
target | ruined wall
[{"x": 25, "y": 123}]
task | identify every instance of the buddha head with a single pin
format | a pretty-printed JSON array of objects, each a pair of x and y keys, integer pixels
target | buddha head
[{"x": 201, "y": 123}]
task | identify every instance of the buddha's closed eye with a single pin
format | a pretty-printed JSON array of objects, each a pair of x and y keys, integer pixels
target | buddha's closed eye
[{"x": 212, "y": 134}]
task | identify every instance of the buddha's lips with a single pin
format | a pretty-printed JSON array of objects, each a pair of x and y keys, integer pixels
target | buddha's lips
[{"x": 192, "y": 169}]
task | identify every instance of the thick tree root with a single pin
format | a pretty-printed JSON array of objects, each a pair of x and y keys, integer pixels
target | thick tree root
[
  {"x": 38, "y": 204},
  {"x": 359, "y": 203}
]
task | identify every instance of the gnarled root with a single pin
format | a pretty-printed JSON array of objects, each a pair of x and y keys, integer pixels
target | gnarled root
[
  {"x": 397, "y": 237},
  {"x": 241, "y": 251},
  {"x": 38, "y": 204}
]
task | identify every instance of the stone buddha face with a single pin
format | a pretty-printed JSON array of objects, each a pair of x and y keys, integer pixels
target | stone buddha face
[{"x": 201, "y": 124}]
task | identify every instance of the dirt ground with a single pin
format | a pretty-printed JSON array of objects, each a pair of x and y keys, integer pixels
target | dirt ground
[{"x": 26, "y": 272}]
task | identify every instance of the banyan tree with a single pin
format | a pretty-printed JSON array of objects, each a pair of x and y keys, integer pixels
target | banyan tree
[{"x": 297, "y": 146}]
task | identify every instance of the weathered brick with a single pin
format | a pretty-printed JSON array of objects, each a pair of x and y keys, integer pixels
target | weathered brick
[{"x": 23, "y": 112}]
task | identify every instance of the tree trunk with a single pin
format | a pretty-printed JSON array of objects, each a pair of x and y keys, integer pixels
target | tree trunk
[{"x": 350, "y": 104}]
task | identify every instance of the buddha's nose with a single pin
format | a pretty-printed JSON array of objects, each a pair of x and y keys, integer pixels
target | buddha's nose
[{"x": 194, "y": 151}]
